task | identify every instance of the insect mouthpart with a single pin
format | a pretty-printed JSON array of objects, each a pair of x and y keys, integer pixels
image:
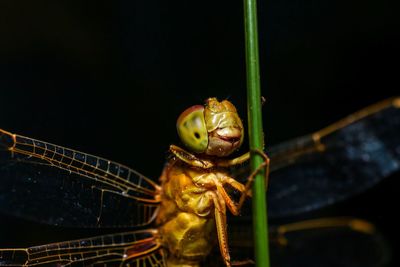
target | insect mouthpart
[
  {"x": 229, "y": 134},
  {"x": 230, "y": 139}
]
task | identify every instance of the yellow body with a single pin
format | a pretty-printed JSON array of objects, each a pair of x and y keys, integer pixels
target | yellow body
[
  {"x": 186, "y": 216},
  {"x": 192, "y": 215}
]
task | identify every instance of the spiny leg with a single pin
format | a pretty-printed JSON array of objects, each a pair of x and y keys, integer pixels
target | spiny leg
[
  {"x": 220, "y": 221},
  {"x": 221, "y": 228},
  {"x": 232, "y": 206},
  {"x": 245, "y": 190},
  {"x": 250, "y": 178}
]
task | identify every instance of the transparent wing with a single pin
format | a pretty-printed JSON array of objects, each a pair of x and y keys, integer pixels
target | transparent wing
[
  {"x": 339, "y": 161},
  {"x": 328, "y": 242},
  {"x": 335, "y": 163},
  {"x": 139, "y": 248},
  {"x": 55, "y": 185}
]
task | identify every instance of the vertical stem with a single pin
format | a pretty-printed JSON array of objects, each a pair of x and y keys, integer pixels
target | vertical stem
[{"x": 260, "y": 223}]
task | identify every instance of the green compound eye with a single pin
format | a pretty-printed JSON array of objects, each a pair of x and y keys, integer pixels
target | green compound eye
[{"x": 192, "y": 130}]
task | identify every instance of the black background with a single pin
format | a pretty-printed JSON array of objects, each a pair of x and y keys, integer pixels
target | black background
[{"x": 110, "y": 78}]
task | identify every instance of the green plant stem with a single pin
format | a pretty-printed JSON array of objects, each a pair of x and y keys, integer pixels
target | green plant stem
[{"x": 260, "y": 223}]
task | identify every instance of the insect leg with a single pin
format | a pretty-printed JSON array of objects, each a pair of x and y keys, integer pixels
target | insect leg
[
  {"x": 250, "y": 179},
  {"x": 232, "y": 162},
  {"x": 228, "y": 201},
  {"x": 220, "y": 220}
]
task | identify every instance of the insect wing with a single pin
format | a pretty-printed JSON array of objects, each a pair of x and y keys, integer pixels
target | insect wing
[
  {"x": 139, "y": 248},
  {"x": 59, "y": 186},
  {"x": 328, "y": 242},
  {"x": 339, "y": 161}
]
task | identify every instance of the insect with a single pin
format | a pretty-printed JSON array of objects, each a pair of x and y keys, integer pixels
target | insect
[{"x": 187, "y": 209}]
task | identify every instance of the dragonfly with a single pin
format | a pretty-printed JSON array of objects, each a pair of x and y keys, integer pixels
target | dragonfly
[{"x": 181, "y": 218}]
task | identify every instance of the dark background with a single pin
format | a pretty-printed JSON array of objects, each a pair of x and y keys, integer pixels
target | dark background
[{"x": 110, "y": 78}]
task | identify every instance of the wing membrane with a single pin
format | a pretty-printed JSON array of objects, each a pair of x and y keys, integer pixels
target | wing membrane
[
  {"x": 139, "y": 248},
  {"x": 341, "y": 160},
  {"x": 328, "y": 242},
  {"x": 328, "y": 166},
  {"x": 60, "y": 186}
]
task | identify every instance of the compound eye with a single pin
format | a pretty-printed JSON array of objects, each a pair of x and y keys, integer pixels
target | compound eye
[{"x": 192, "y": 130}]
